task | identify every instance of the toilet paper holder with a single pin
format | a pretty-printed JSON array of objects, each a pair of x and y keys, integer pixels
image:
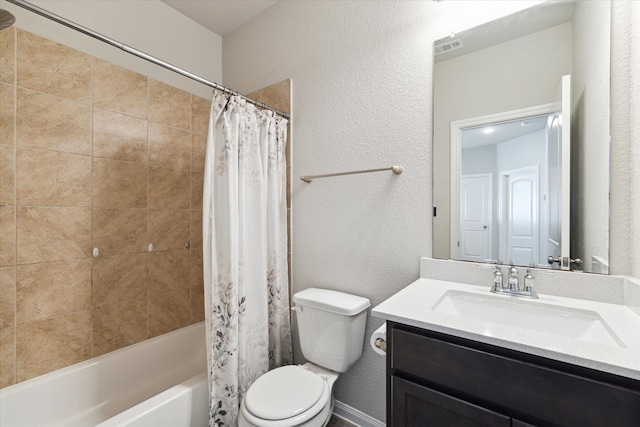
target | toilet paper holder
[{"x": 381, "y": 344}]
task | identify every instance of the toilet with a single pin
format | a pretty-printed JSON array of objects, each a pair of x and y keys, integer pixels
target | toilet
[{"x": 331, "y": 332}]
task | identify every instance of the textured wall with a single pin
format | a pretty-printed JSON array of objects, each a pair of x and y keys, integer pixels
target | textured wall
[
  {"x": 625, "y": 123},
  {"x": 361, "y": 98},
  {"x": 93, "y": 156}
]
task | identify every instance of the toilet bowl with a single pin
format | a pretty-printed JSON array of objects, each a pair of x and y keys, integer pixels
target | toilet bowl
[
  {"x": 289, "y": 396},
  {"x": 331, "y": 331}
]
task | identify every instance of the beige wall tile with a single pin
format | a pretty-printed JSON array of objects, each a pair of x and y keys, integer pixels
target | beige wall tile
[
  {"x": 7, "y": 296},
  {"x": 169, "y": 147},
  {"x": 168, "y": 311},
  {"x": 119, "y": 184},
  {"x": 197, "y": 304},
  {"x": 197, "y": 286},
  {"x": 168, "y": 188},
  {"x": 53, "y": 123},
  {"x": 200, "y": 112},
  {"x": 169, "y": 270},
  {"x": 198, "y": 151},
  {"x": 51, "y": 344},
  {"x": 169, "y": 291},
  {"x": 169, "y": 228},
  {"x": 51, "y": 178},
  {"x": 7, "y": 357},
  {"x": 255, "y": 95},
  {"x": 169, "y": 105},
  {"x": 119, "y": 278},
  {"x": 119, "y": 325},
  {"x": 118, "y": 89},
  {"x": 50, "y": 289},
  {"x": 120, "y": 231},
  {"x": 7, "y": 235},
  {"x": 49, "y": 67},
  {"x": 197, "y": 183},
  {"x": 8, "y": 56},
  {"x": 7, "y": 175},
  {"x": 278, "y": 96},
  {"x": 196, "y": 228},
  {"x": 7, "y": 114},
  {"x": 120, "y": 137},
  {"x": 53, "y": 234}
]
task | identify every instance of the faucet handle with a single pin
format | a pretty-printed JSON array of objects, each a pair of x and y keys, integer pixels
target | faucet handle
[
  {"x": 513, "y": 278},
  {"x": 528, "y": 281}
]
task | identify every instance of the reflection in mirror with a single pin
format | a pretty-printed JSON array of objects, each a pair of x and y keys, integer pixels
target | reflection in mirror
[{"x": 534, "y": 191}]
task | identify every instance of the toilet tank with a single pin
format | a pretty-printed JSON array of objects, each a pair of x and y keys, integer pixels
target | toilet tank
[{"x": 331, "y": 327}]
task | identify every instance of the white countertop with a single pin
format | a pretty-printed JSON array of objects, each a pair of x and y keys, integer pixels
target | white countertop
[{"x": 414, "y": 306}]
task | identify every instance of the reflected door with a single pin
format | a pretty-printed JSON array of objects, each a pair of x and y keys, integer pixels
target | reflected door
[
  {"x": 475, "y": 217},
  {"x": 554, "y": 166},
  {"x": 519, "y": 216},
  {"x": 559, "y": 167}
]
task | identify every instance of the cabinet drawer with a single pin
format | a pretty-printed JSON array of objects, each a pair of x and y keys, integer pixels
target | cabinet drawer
[
  {"x": 540, "y": 392},
  {"x": 418, "y": 406}
]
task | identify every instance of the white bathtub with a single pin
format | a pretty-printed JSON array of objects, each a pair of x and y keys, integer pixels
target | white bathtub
[{"x": 156, "y": 383}]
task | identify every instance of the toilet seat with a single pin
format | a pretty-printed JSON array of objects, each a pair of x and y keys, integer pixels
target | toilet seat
[{"x": 285, "y": 397}]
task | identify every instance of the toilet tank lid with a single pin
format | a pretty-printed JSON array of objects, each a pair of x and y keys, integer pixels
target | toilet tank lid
[{"x": 332, "y": 301}]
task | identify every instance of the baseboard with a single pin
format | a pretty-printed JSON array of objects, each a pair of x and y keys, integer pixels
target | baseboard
[{"x": 354, "y": 416}]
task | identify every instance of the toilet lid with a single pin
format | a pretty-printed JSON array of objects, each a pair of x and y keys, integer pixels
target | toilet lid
[{"x": 284, "y": 393}]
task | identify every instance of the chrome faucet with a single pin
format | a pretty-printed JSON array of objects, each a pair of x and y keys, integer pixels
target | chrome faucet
[{"x": 512, "y": 287}]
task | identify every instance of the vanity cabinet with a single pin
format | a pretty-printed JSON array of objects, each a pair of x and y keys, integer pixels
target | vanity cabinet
[{"x": 434, "y": 379}]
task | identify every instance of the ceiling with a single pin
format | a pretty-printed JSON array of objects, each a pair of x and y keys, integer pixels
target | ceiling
[
  {"x": 501, "y": 132},
  {"x": 220, "y": 16},
  {"x": 519, "y": 24}
]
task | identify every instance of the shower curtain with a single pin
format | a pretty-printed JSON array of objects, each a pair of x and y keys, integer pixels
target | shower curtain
[{"x": 245, "y": 252}]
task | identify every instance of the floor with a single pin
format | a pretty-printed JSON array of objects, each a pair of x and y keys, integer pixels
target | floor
[{"x": 339, "y": 422}]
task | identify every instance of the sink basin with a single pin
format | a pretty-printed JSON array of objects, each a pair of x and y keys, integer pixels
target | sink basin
[{"x": 570, "y": 323}]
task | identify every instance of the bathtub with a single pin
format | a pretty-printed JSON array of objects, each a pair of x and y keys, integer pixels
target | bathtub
[{"x": 160, "y": 382}]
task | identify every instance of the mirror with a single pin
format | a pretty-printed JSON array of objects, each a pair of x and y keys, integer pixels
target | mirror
[{"x": 540, "y": 73}]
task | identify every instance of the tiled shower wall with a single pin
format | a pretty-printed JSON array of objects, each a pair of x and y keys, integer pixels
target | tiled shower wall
[{"x": 93, "y": 156}]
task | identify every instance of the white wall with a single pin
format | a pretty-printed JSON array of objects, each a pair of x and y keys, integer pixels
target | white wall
[
  {"x": 147, "y": 25},
  {"x": 625, "y": 134},
  {"x": 527, "y": 150},
  {"x": 361, "y": 84}
]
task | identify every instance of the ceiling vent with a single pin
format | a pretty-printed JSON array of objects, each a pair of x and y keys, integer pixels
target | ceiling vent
[{"x": 448, "y": 46}]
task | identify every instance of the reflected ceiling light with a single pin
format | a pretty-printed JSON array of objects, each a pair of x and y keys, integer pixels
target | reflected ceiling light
[
  {"x": 525, "y": 124},
  {"x": 488, "y": 130}
]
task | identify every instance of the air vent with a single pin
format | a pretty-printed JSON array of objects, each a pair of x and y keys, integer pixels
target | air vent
[{"x": 448, "y": 46}]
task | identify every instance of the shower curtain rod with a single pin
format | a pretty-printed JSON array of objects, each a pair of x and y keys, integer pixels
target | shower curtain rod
[{"x": 84, "y": 30}]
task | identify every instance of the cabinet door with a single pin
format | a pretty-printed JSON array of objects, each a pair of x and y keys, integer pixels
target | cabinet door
[{"x": 418, "y": 406}]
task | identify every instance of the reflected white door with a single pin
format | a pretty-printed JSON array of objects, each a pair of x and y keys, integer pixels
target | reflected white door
[
  {"x": 554, "y": 202},
  {"x": 475, "y": 217},
  {"x": 519, "y": 214},
  {"x": 559, "y": 167},
  {"x": 565, "y": 161}
]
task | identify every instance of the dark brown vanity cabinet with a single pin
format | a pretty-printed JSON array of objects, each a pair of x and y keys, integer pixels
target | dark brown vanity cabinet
[{"x": 434, "y": 379}]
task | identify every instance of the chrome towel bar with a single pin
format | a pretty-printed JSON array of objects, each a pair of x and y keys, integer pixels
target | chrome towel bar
[{"x": 395, "y": 169}]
